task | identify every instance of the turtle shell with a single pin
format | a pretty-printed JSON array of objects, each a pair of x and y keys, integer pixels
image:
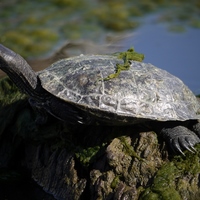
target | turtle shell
[{"x": 142, "y": 92}]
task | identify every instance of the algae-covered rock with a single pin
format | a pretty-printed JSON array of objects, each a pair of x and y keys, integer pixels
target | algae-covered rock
[
  {"x": 178, "y": 179},
  {"x": 91, "y": 162},
  {"x": 131, "y": 166}
]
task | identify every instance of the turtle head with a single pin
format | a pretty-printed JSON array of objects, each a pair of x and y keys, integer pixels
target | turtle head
[{"x": 18, "y": 70}]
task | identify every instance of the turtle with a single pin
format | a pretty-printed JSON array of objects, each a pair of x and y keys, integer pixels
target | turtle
[{"x": 76, "y": 91}]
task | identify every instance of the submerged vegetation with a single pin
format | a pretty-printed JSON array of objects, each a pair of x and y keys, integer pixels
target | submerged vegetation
[{"x": 28, "y": 24}]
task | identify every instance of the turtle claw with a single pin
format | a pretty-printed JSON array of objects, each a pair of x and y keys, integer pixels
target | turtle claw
[
  {"x": 186, "y": 144},
  {"x": 191, "y": 146},
  {"x": 188, "y": 148},
  {"x": 175, "y": 146},
  {"x": 180, "y": 138}
]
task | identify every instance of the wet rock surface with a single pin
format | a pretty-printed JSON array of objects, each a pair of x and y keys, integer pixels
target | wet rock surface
[{"x": 89, "y": 162}]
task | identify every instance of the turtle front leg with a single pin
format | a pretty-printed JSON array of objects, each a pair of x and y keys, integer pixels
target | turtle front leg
[{"x": 179, "y": 137}]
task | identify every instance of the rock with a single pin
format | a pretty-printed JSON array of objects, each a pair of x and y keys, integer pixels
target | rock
[
  {"x": 55, "y": 172},
  {"x": 91, "y": 162},
  {"x": 177, "y": 179},
  {"x": 128, "y": 168}
]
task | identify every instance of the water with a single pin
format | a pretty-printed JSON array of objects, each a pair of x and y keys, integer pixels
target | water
[{"x": 178, "y": 53}]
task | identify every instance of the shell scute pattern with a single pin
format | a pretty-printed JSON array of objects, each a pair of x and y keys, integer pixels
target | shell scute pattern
[
  {"x": 93, "y": 101},
  {"x": 143, "y": 91}
]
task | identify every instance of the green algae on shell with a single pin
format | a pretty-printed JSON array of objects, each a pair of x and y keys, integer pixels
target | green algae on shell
[{"x": 126, "y": 56}]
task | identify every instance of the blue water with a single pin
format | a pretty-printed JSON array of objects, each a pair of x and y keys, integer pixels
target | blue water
[{"x": 178, "y": 53}]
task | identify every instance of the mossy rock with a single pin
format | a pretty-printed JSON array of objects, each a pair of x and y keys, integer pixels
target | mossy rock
[{"x": 92, "y": 162}]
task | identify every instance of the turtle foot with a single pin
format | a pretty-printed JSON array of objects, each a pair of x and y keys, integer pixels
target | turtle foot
[{"x": 180, "y": 138}]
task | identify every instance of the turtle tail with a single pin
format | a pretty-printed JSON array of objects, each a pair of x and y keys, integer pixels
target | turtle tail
[{"x": 18, "y": 70}]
